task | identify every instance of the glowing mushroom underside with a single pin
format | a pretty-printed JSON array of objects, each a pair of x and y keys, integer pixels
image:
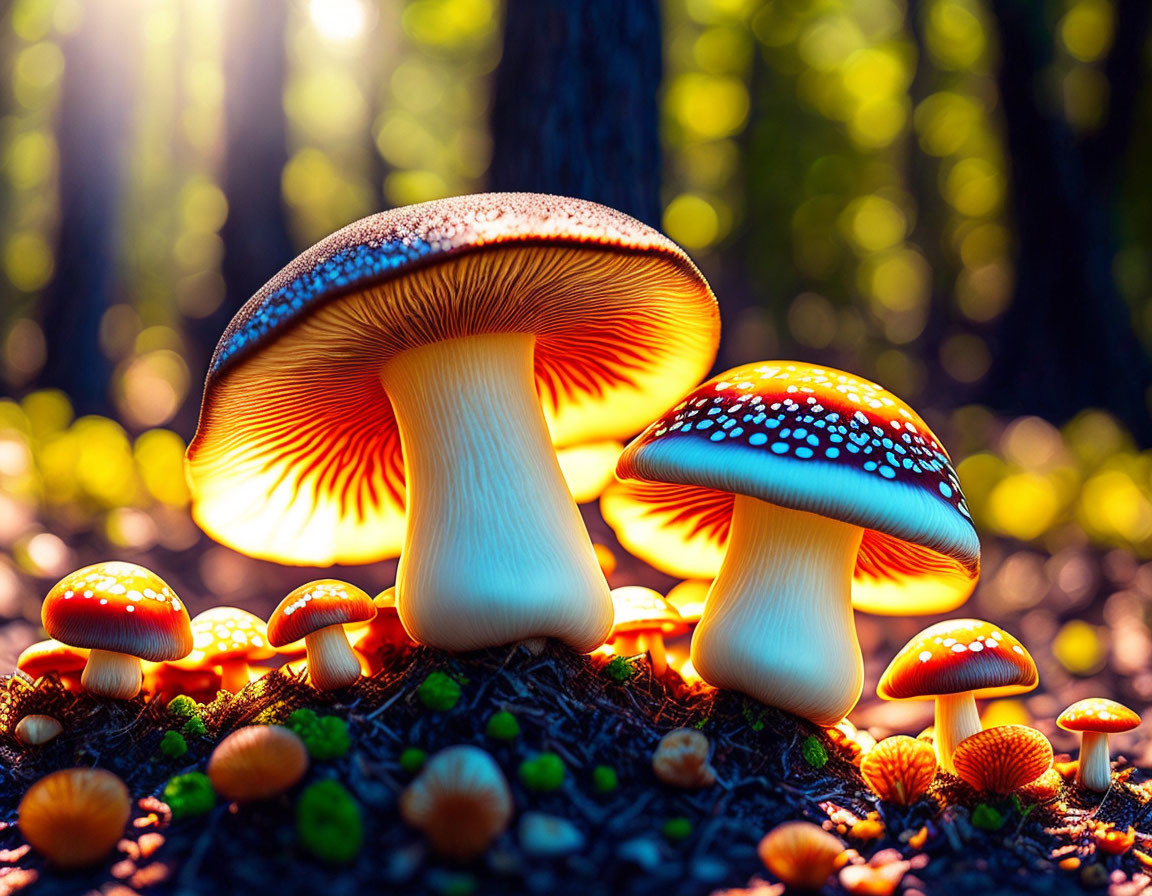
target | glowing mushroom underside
[{"x": 452, "y": 343}]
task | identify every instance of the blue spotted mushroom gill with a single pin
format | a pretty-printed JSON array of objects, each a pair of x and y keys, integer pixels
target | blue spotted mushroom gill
[
  {"x": 800, "y": 488},
  {"x": 406, "y": 380}
]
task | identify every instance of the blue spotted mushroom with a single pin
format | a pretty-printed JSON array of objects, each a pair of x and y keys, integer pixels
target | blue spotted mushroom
[
  {"x": 801, "y": 489},
  {"x": 407, "y": 381}
]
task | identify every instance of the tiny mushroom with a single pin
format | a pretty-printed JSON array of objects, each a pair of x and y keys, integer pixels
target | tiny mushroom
[
  {"x": 801, "y": 854},
  {"x": 257, "y": 762},
  {"x": 1096, "y": 718},
  {"x": 36, "y": 729},
  {"x": 318, "y": 612},
  {"x": 167, "y": 680},
  {"x": 642, "y": 619},
  {"x": 681, "y": 759},
  {"x": 382, "y": 632},
  {"x": 402, "y": 379},
  {"x": 1003, "y": 759},
  {"x": 460, "y": 801},
  {"x": 122, "y": 613},
  {"x": 899, "y": 769},
  {"x": 48, "y": 656},
  {"x": 229, "y": 638},
  {"x": 954, "y": 662},
  {"x": 75, "y": 817},
  {"x": 805, "y": 491}
]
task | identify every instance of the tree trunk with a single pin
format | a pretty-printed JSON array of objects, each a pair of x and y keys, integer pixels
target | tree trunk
[
  {"x": 575, "y": 108},
  {"x": 93, "y": 132},
  {"x": 1067, "y": 341}
]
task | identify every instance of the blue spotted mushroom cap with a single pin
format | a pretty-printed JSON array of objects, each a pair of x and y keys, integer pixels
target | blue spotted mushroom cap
[
  {"x": 808, "y": 438},
  {"x": 297, "y": 457}
]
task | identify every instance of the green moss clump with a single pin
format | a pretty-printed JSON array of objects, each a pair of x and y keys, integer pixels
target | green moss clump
[
  {"x": 326, "y": 737},
  {"x": 439, "y": 692},
  {"x": 189, "y": 795},
  {"x": 503, "y": 726},
  {"x": 173, "y": 745},
  {"x": 194, "y": 727},
  {"x": 677, "y": 829},
  {"x": 987, "y": 818},
  {"x": 413, "y": 759},
  {"x": 604, "y": 779},
  {"x": 813, "y": 752},
  {"x": 328, "y": 822},
  {"x": 620, "y": 669},
  {"x": 183, "y": 707},
  {"x": 543, "y": 773}
]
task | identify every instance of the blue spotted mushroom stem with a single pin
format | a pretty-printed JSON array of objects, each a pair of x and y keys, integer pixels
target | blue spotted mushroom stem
[
  {"x": 406, "y": 381},
  {"x": 811, "y": 490}
]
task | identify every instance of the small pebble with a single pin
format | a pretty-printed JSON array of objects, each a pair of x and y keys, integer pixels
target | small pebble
[
  {"x": 549, "y": 835},
  {"x": 641, "y": 851}
]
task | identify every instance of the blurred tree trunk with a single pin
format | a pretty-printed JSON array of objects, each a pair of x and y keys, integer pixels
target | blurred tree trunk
[
  {"x": 575, "y": 109},
  {"x": 255, "y": 234},
  {"x": 94, "y": 127},
  {"x": 1067, "y": 341}
]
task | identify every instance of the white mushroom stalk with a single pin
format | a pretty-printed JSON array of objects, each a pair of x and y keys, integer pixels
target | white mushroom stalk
[
  {"x": 112, "y": 674},
  {"x": 778, "y": 621},
  {"x": 495, "y": 549},
  {"x": 331, "y": 662},
  {"x": 1095, "y": 769},
  {"x": 956, "y": 719}
]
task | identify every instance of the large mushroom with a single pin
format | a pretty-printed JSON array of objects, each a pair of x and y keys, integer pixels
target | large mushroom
[
  {"x": 803, "y": 489},
  {"x": 954, "y": 662},
  {"x": 407, "y": 379},
  {"x": 123, "y": 613}
]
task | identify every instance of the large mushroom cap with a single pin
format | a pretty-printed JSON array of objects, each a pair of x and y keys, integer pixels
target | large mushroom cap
[
  {"x": 958, "y": 656},
  {"x": 297, "y": 456},
  {"x": 1099, "y": 715},
  {"x": 318, "y": 605},
  {"x": 118, "y": 607},
  {"x": 806, "y": 438}
]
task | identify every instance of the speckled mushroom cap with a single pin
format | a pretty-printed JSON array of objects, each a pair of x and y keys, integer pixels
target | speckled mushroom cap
[
  {"x": 315, "y": 606},
  {"x": 957, "y": 656},
  {"x": 120, "y": 607},
  {"x": 1099, "y": 715},
  {"x": 807, "y": 438},
  {"x": 43, "y": 657},
  {"x": 226, "y": 633},
  {"x": 297, "y": 456},
  {"x": 637, "y": 608}
]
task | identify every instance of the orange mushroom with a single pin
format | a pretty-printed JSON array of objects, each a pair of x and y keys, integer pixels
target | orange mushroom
[
  {"x": 383, "y": 632},
  {"x": 229, "y": 638},
  {"x": 899, "y": 769},
  {"x": 257, "y": 762},
  {"x": 642, "y": 619},
  {"x": 36, "y": 729},
  {"x": 681, "y": 759},
  {"x": 167, "y": 680},
  {"x": 953, "y": 662},
  {"x": 1003, "y": 759},
  {"x": 801, "y": 854},
  {"x": 75, "y": 817},
  {"x": 1096, "y": 718},
  {"x": 318, "y": 612},
  {"x": 1044, "y": 788},
  {"x": 45, "y": 657}
]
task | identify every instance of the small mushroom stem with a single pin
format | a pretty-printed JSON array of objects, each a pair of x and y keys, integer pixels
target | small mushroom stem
[
  {"x": 112, "y": 674},
  {"x": 626, "y": 645},
  {"x": 234, "y": 675},
  {"x": 495, "y": 549},
  {"x": 956, "y": 719},
  {"x": 777, "y": 622},
  {"x": 653, "y": 642},
  {"x": 332, "y": 664},
  {"x": 1095, "y": 769}
]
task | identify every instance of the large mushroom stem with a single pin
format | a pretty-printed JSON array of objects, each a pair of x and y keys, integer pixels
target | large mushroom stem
[
  {"x": 234, "y": 675},
  {"x": 1095, "y": 769},
  {"x": 112, "y": 674},
  {"x": 331, "y": 662},
  {"x": 956, "y": 719},
  {"x": 495, "y": 550},
  {"x": 778, "y": 623}
]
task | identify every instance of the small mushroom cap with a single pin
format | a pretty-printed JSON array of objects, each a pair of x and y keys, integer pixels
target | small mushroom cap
[
  {"x": 257, "y": 762},
  {"x": 801, "y": 854},
  {"x": 226, "y": 633},
  {"x": 75, "y": 817},
  {"x": 297, "y": 456},
  {"x": 1003, "y": 759},
  {"x": 957, "y": 656},
  {"x": 315, "y": 606},
  {"x": 43, "y": 657},
  {"x": 899, "y": 769},
  {"x": 640, "y": 609},
  {"x": 807, "y": 438},
  {"x": 1098, "y": 714},
  {"x": 120, "y": 607}
]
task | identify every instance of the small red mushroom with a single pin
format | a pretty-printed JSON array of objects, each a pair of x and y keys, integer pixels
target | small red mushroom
[
  {"x": 383, "y": 632},
  {"x": 318, "y": 612},
  {"x": 45, "y": 657},
  {"x": 1096, "y": 718},
  {"x": 229, "y": 638}
]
